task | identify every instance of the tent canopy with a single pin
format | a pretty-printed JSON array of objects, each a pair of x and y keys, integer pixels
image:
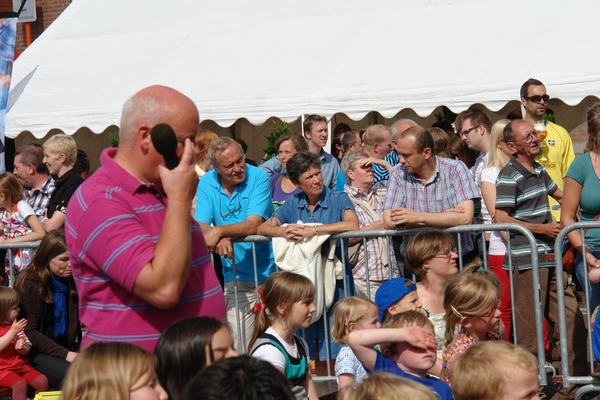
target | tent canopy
[{"x": 264, "y": 58}]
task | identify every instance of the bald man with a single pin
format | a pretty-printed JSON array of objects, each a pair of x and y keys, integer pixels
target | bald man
[{"x": 139, "y": 260}]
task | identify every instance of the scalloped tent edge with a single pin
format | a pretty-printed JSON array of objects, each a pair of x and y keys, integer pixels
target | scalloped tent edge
[{"x": 246, "y": 61}]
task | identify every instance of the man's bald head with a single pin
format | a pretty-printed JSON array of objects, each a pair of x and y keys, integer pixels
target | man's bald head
[{"x": 153, "y": 105}]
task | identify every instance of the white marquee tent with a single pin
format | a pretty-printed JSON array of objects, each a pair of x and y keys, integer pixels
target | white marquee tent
[{"x": 259, "y": 59}]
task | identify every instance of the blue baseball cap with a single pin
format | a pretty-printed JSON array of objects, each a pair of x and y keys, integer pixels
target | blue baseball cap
[{"x": 390, "y": 292}]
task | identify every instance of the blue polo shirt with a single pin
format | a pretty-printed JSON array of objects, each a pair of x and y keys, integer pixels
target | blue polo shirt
[{"x": 252, "y": 197}]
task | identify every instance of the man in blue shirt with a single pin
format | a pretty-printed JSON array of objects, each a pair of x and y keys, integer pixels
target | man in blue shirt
[{"x": 235, "y": 199}]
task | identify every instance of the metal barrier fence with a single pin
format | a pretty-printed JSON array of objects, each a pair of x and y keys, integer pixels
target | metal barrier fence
[
  {"x": 592, "y": 384},
  {"x": 478, "y": 229},
  {"x": 14, "y": 246}
]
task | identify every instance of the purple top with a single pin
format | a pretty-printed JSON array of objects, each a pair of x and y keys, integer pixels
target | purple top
[{"x": 279, "y": 195}]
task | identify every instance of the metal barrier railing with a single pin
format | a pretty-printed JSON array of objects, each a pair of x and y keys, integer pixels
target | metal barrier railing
[
  {"x": 454, "y": 230},
  {"x": 566, "y": 378},
  {"x": 13, "y": 246},
  {"x": 477, "y": 229}
]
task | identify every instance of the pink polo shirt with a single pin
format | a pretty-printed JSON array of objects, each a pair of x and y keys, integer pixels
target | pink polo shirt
[{"x": 112, "y": 226}]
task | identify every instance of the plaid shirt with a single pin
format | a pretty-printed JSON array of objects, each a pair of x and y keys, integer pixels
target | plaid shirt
[
  {"x": 40, "y": 198},
  {"x": 451, "y": 185},
  {"x": 377, "y": 270}
]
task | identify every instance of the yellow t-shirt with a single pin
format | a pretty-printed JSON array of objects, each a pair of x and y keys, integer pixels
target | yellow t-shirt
[{"x": 556, "y": 157}]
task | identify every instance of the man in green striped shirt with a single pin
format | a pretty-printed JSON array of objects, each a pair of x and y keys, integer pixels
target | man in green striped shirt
[{"x": 522, "y": 190}]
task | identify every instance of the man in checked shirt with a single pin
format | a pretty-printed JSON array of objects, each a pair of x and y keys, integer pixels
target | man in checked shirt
[{"x": 425, "y": 190}]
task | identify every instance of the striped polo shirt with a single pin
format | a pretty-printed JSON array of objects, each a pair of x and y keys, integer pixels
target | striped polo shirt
[
  {"x": 525, "y": 194},
  {"x": 112, "y": 226}
]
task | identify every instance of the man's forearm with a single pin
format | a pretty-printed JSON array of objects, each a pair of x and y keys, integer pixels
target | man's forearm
[
  {"x": 173, "y": 253},
  {"x": 446, "y": 219},
  {"x": 240, "y": 229}
]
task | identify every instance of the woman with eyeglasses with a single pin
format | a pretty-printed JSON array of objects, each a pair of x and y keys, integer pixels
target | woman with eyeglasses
[
  {"x": 582, "y": 186},
  {"x": 499, "y": 156},
  {"x": 380, "y": 263},
  {"x": 430, "y": 255}
]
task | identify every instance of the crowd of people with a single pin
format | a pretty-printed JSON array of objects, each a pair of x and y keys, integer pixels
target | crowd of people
[{"x": 124, "y": 269}]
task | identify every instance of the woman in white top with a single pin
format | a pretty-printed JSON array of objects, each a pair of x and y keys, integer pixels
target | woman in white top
[{"x": 499, "y": 156}]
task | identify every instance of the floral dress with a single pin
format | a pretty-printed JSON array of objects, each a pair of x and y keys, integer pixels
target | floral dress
[
  {"x": 462, "y": 342},
  {"x": 16, "y": 226}
]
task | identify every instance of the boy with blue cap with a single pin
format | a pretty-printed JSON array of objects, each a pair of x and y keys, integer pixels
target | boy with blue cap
[{"x": 395, "y": 296}]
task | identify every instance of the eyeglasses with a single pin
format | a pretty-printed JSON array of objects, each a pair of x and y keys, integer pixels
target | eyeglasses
[
  {"x": 447, "y": 253},
  {"x": 529, "y": 137},
  {"x": 538, "y": 98},
  {"x": 466, "y": 132},
  {"x": 230, "y": 212}
]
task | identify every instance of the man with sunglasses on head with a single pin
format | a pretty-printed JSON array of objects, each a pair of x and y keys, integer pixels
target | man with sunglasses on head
[
  {"x": 557, "y": 147},
  {"x": 232, "y": 200},
  {"x": 522, "y": 190}
]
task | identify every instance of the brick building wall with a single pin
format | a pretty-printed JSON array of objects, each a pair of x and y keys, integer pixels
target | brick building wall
[{"x": 47, "y": 11}]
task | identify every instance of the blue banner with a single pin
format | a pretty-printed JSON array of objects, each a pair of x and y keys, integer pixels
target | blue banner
[{"x": 8, "y": 36}]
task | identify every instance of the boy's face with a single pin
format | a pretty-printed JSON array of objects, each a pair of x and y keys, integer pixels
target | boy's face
[
  {"x": 521, "y": 384},
  {"x": 414, "y": 360},
  {"x": 410, "y": 302}
]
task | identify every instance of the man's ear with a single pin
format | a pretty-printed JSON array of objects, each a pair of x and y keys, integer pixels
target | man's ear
[
  {"x": 30, "y": 169},
  {"x": 144, "y": 138},
  {"x": 427, "y": 153},
  {"x": 523, "y": 101},
  {"x": 511, "y": 146}
]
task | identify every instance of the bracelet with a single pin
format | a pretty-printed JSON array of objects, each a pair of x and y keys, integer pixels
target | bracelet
[{"x": 316, "y": 231}]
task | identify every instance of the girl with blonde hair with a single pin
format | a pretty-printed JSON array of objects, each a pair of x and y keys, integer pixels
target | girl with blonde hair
[
  {"x": 472, "y": 304},
  {"x": 351, "y": 314},
  {"x": 114, "y": 370}
]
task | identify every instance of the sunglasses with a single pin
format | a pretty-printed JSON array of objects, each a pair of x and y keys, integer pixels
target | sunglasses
[{"x": 538, "y": 98}]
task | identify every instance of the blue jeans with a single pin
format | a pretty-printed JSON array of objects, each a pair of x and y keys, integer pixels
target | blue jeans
[{"x": 594, "y": 299}]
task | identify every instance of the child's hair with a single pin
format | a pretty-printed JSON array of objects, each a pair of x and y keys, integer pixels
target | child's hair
[
  {"x": 349, "y": 310},
  {"x": 284, "y": 288},
  {"x": 481, "y": 372},
  {"x": 183, "y": 350},
  {"x": 107, "y": 371},
  {"x": 476, "y": 268},
  {"x": 8, "y": 298},
  {"x": 402, "y": 320},
  {"x": 390, "y": 292},
  {"x": 424, "y": 246},
  {"x": 383, "y": 385},
  {"x": 242, "y": 377},
  {"x": 11, "y": 188},
  {"x": 468, "y": 294}
]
